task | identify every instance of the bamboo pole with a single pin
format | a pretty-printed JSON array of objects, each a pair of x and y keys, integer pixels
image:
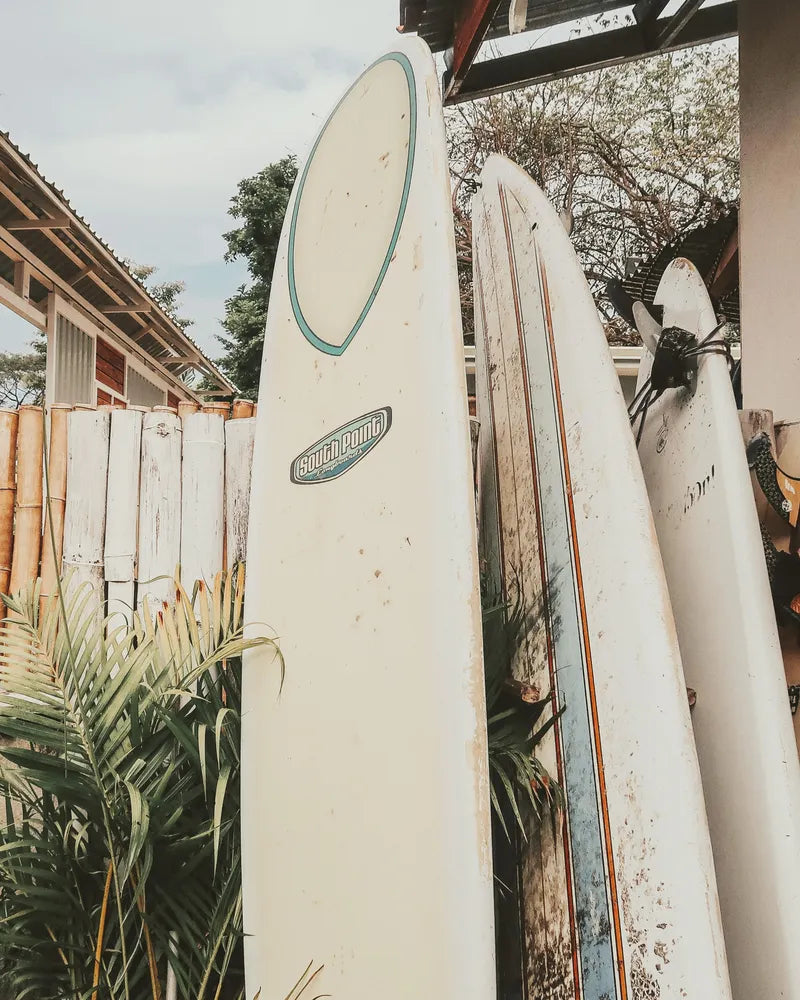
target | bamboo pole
[
  {"x": 122, "y": 513},
  {"x": 56, "y": 501},
  {"x": 202, "y": 498},
  {"x": 159, "y": 508},
  {"x": 224, "y": 409},
  {"x": 8, "y": 488},
  {"x": 85, "y": 516},
  {"x": 186, "y": 407},
  {"x": 239, "y": 438},
  {"x": 28, "y": 510},
  {"x": 242, "y": 408}
]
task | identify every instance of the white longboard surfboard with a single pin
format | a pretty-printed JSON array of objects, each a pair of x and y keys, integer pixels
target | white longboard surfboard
[
  {"x": 696, "y": 471},
  {"x": 620, "y": 902},
  {"x": 365, "y": 804}
]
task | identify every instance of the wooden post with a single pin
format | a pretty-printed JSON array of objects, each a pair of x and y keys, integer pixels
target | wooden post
[
  {"x": 55, "y": 502},
  {"x": 159, "y": 508},
  {"x": 85, "y": 517},
  {"x": 28, "y": 513},
  {"x": 242, "y": 408},
  {"x": 122, "y": 513},
  {"x": 239, "y": 438},
  {"x": 187, "y": 406},
  {"x": 8, "y": 488},
  {"x": 224, "y": 409},
  {"x": 203, "y": 497}
]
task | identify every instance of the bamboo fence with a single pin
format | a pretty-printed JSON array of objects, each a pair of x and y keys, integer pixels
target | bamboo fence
[{"x": 126, "y": 499}]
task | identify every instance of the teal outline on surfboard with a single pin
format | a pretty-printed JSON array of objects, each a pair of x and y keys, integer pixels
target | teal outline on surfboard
[{"x": 313, "y": 338}]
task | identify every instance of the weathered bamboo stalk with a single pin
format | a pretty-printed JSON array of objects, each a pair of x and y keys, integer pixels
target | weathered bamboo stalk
[
  {"x": 85, "y": 516},
  {"x": 239, "y": 438},
  {"x": 224, "y": 409},
  {"x": 242, "y": 408},
  {"x": 55, "y": 501},
  {"x": 28, "y": 510},
  {"x": 186, "y": 407},
  {"x": 159, "y": 508},
  {"x": 8, "y": 487},
  {"x": 122, "y": 513},
  {"x": 202, "y": 498}
]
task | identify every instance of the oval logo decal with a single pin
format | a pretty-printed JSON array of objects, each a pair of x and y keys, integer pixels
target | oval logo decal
[
  {"x": 350, "y": 202},
  {"x": 334, "y": 454}
]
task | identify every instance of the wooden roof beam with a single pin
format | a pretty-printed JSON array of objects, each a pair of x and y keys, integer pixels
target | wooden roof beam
[
  {"x": 53, "y": 237},
  {"x": 10, "y": 246},
  {"x": 59, "y": 222},
  {"x": 587, "y": 53},
  {"x": 126, "y": 307},
  {"x": 471, "y": 28}
]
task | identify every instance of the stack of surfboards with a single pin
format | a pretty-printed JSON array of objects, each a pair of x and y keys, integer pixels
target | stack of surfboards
[
  {"x": 567, "y": 530},
  {"x": 365, "y": 804}
]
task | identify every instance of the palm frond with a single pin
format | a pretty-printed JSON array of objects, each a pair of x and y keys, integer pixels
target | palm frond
[
  {"x": 520, "y": 784},
  {"x": 119, "y": 751}
]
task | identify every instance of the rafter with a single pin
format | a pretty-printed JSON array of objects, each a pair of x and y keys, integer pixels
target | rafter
[{"x": 57, "y": 222}]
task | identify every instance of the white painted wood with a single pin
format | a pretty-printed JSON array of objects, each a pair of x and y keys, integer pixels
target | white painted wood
[
  {"x": 239, "y": 439},
  {"x": 122, "y": 513},
  {"x": 85, "y": 512},
  {"x": 202, "y": 497},
  {"x": 626, "y": 896},
  {"x": 159, "y": 507},
  {"x": 365, "y": 807},
  {"x": 699, "y": 484}
]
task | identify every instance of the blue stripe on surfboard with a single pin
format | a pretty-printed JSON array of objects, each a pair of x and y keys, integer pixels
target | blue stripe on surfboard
[{"x": 597, "y": 960}]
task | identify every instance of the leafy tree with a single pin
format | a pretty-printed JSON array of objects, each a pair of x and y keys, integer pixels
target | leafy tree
[
  {"x": 166, "y": 293},
  {"x": 631, "y": 156},
  {"x": 260, "y": 205},
  {"x": 22, "y": 376}
]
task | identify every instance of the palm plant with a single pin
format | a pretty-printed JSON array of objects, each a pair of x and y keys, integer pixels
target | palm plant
[
  {"x": 120, "y": 866},
  {"x": 519, "y": 780}
]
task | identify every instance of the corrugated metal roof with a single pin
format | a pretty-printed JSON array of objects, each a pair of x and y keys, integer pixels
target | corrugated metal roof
[
  {"x": 434, "y": 20},
  {"x": 704, "y": 247},
  {"x": 82, "y": 241}
]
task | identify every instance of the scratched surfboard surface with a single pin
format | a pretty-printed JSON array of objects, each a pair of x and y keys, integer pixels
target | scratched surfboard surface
[
  {"x": 619, "y": 901},
  {"x": 696, "y": 472},
  {"x": 365, "y": 805}
]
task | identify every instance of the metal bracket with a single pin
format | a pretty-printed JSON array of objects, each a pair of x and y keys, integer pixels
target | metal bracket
[{"x": 794, "y": 697}]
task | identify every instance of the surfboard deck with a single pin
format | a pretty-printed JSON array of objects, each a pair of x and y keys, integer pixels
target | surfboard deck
[
  {"x": 365, "y": 803},
  {"x": 620, "y": 902},
  {"x": 696, "y": 472}
]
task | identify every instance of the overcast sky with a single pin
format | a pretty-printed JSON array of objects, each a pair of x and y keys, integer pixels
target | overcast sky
[{"x": 148, "y": 114}]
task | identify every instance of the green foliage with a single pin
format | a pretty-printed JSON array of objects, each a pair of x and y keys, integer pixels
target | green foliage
[
  {"x": 515, "y": 711},
  {"x": 260, "y": 205},
  {"x": 632, "y": 155},
  {"x": 165, "y": 293},
  {"x": 119, "y": 765},
  {"x": 22, "y": 376}
]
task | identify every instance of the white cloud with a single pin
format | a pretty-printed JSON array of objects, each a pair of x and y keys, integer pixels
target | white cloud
[{"x": 148, "y": 115}]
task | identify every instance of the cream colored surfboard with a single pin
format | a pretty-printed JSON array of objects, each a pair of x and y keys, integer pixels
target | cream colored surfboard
[
  {"x": 696, "y": 472},
  {"x": 620, "y": 901},
  {"x": 365, "y": 805}
]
